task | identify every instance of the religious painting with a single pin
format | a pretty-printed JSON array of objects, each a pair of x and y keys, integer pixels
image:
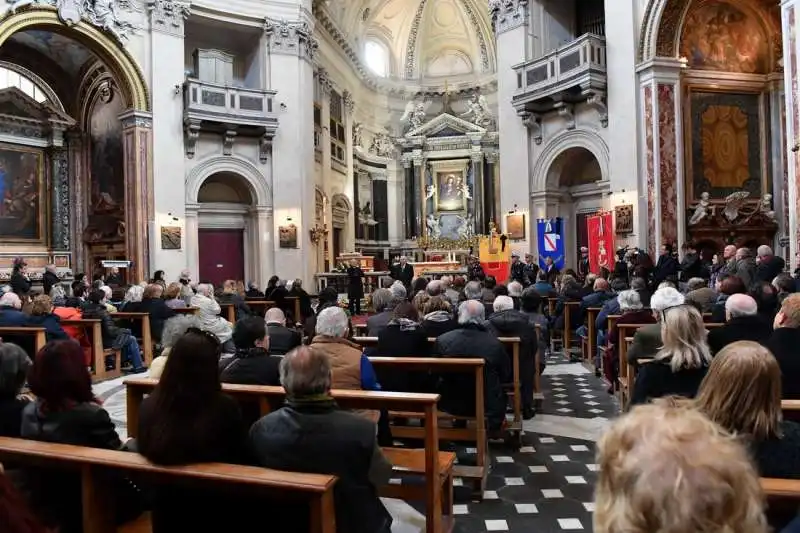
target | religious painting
[
  {"x": 452, "y": 191},
  {"x": 515, "y": 226},
  {"x": 725, "y": 141},
  {"x": 108, "y": 179},
  {"x": 720, "y": 36},
  {"x": 287, "y": 236},
  {"x": 22, "y": 209},
  {"x": 170, "y": 237},
  {"x": 623, "y": 219}
]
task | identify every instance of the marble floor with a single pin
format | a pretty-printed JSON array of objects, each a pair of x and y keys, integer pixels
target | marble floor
[{"x": 545, "y": 486}]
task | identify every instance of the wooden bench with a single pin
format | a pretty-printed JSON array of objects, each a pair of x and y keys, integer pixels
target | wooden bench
[
  {"x": 437, "y": 492},
  {"x": 186, "y": 310},
  {"x": 229, "y": 312},
  {"x": 146, "y": 341},
  {"x": 260, "y": 307},
  {"x": 97, "y": 490},
  {"x": 591, "y": 342},
  {"x": 92, "y": 329},
  {"x": 515, "y": 428},
  {"x": 568, "y": 326},
  {"x": 780, "y": 488},
  {"x": 38, "y": 334},
  {"x": 296, "y": 301}
]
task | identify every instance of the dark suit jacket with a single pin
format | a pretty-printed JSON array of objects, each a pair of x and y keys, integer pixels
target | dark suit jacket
[
  {"x": 282, "y": 339},
  {"x": 403, "y": 274},
  {"x": 646, "y": 343},
  {"x": 770, "y": 267},
  {"x": 784, "y": 344},
  {"x": 741, "y": 328},
  {"x": 376, "y": 323}
]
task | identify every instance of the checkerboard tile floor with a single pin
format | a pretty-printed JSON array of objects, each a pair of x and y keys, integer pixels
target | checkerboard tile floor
[{"x": 548, "y": 484}]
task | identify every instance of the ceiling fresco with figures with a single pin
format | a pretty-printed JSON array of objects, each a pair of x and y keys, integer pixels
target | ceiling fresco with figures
[
  {"x": 424, "y": 38},
  {"x": 67, "y": 53}
]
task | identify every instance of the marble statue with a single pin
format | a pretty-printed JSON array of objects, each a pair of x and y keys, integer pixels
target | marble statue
[
  {"x": 357, "y": 140},
  {"x": 478, "y": 111},
  {"x": 434, "y": 226},
  {"x": 701, "y": 210},
  {"x": 766, "y": 207},
  {"x": 382, "y": 145},
  {"x": 733, "y": 205},
  {"x": 414, "y": 114},
  {"x": 464, "y": 191},
  {"x": 466, "y": 226},
  {"x": 430, "y": 190}
]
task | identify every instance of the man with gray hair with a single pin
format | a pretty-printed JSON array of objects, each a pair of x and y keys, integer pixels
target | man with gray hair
[
  {"x": 473, "y": 340},
  {"x": 50, "y": 278},
  {"x": 769, "y": 264},
  {"x": 742, "y": 323},
  {"x": 647, "y": 339},
  {"x": 449, "y": 292},
  {"x": 435, "y": 287},
  {"x": 281, "y": 338},
  {"x": 311, "y": 434},
  {"x": 745, "y": 266},
  {"x": 473, "y": 291},
  {"x": 700, "y": 294},
  {"x": 382, "y": 300}
]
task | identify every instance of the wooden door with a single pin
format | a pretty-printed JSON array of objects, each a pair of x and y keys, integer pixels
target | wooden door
[{"x": 221, "y": 255}]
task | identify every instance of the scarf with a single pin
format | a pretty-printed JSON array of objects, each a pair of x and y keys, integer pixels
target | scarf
[{"x": 406, "y": 324}]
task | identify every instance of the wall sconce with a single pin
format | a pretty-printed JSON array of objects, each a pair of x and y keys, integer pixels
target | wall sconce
[{"x": 318, "y": 233}]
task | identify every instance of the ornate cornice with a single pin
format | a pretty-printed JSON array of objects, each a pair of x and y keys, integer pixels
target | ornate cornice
[
  {"x": 324, "y": 79},
  {"x": 484, "y": 49},
  {"x": 291, "y": 38},
  {"x": 168, "y": 15},
  {"x": 411, "y": 45},
  {"x": 507, "y": 15}
]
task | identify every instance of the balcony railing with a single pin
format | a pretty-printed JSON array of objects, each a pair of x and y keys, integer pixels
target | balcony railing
[
  {"x": 580, "y": 64},
  {"x": 239, "y": 106}
]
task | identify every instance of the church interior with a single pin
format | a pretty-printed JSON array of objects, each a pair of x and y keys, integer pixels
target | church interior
[{"x": 472, "y": 249}]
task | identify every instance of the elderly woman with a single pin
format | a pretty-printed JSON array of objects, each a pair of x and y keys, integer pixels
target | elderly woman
[
  {"x": 381, "y": 300},
  {"x": 172, "y": 296},
  {"x": 230, "y": 295},
  {"x": 42, "y": 317},
  {"x": 133, "y": 299},
  {"x": 631, "y": 312},
  {"x": 14, "y": 365},
  {"x": 174, "y": 329},
  {"x": 682, "y": 362},
  {"x": 208, "y": 313},
  {"x": 437, "y": 317}
]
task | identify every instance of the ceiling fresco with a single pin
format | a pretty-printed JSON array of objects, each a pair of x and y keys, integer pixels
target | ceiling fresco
[{"x": 69, "y": 54}]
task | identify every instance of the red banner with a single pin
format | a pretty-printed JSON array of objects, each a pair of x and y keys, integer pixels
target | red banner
[{"x": 601, "y": 242}]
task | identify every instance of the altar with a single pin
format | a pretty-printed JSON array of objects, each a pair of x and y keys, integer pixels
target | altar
[{"x": 428, "y": 268}]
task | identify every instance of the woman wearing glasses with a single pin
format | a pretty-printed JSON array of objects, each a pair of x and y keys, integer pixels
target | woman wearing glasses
[{"x": 682, "y": 362}]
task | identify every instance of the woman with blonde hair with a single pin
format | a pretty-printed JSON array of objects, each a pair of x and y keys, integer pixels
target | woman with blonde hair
[
  {"x": 742, "y": 393},
  {"x": 681, "y": 363},
  {"x": 666, "y": 468}
]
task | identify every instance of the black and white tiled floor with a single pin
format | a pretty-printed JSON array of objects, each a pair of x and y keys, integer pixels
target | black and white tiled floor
[{"x": 545, "y": 486}]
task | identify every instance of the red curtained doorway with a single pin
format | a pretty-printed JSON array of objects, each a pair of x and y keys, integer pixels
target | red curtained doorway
[{"x": 221, "y": 255}]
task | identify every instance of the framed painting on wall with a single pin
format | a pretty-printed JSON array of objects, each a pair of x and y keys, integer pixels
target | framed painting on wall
[
  {"x": 22, "y": 199},
  {"x": 287, "y": 236},
  {"x": 452, "y": 191},
  {"x": 623, "y": 219},
  {"x": 515, "y": 226}
]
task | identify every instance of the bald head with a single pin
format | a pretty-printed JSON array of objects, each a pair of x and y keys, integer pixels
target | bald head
[
  {"x": 601, "y": 285},
  {"x": 275, "y": 316},
  {"x": 740, "y": 305},
  {"x": 305, "y": 372},
  {"x": 729, "y": 252}
]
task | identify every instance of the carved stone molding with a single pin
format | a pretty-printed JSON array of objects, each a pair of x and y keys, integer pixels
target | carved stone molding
[
  {"x": 227, "y": 140},
  {"x": 168, "y": 15},
  {"x": 411, "y": 46},
  {"x": 192, "y": 130},
  {"x": 325, "y": 82},
  {"x": 136, "y": 119},
  {"x": 533, "y": 122},
  {"x": 291, "y": 38},
  {"x": 508, "y": 14},
  {"x": 264, "y": 148},
  {"x": 476, "y": 27},
  {"x": 349, "y": 102},
  {"x": 567, "y": 111},
  {"x": 598, "y": 102},
  {"x": 60, "y": 197}
]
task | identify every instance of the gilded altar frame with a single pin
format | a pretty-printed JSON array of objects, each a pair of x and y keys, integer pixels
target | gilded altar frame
[{"x": 441, "y": 170}]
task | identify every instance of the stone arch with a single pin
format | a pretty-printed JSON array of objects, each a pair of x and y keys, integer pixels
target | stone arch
[
  {"x": 117, "y": 58},
  {"x": 343, "y": 200},
  {"x": 259, "y": 188},
  {"x": 663, "y": 21},
  {"x": 585, "y": 139}
]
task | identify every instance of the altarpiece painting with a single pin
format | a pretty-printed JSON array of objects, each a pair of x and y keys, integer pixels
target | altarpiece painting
[{"x": 22, "y": 209}]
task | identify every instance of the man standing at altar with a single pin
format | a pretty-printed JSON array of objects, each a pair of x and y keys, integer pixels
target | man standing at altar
[
  {"x": 531, "y": 270},
  {"x": 583, "y": 264},
  {"x": 403, "y": 272},
  {"x": 517, "y": 269}
]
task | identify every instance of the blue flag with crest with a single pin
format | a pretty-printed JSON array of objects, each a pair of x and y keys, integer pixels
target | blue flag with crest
[{"x": 550, "y": 232}]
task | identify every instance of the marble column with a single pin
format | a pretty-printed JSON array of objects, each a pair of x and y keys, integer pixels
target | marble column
[
  {"x": 777, "y": 161},
  {"x": 326, "y": 87},
  {"x": 60, "y": 198},
  {"x": 79, "y": 195},
  {"x": 478, "y": 198},
  {"x": 659, "y": 81},
  {"x": 790, "y": 18},
  {"x": 291, "y": 49},
  {"x": 512, "y": 25},
  {"x": 265, "y": 247},
  {"x": 490, "y": 207},
  {"x": 192, "y": 227},
  {"x": 166, "y": 56},
  {"x": 419, "y": 175},
  {"x": 408, "y": 196},
  {"x": 137, "y": 129},
  {"x": 349, "y": 185}
]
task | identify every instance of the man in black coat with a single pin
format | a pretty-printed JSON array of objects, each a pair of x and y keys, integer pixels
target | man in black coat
[
  {"x": 769, "y": 265},
  {"x": 583, "y": 264},
  {"x": 49, "y": 279},
  {"x": 742, "y": 323},
  {"x": 253, "y": 363},
  {"x": 472, "y": 339},
  {"x": 403, "y": 272},
  {"x": 667, "y": 266},
  {"x": 281, "y": 339},
  {"x": 311, "y": 434},
  {"x": 355, "y": 287},
  {"x": 784, "y": 344},
  {"x": 517, "y": 269}
]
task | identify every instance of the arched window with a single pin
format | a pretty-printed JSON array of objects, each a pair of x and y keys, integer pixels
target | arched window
[
  {"x": 376, "y": 56},
  {"x": 10, "y": 78}
]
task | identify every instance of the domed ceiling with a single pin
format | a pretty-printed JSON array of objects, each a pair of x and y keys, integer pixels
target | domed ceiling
[{"x": 425, "y": 38}]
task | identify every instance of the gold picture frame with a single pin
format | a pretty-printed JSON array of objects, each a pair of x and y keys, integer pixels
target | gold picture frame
[
  {"x": 171, "y": 237},
  {"x": 623, "y": 219},
  {"x": 450, "y": 186},
  {"x": 287, "y": 236},
  {"x": 515, "y": 226},
  {"x": 23, "y": 202}
]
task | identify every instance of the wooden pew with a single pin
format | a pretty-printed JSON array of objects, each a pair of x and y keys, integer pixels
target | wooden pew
[
  {"x": 260, "y": 307},
  {"x": 568, "y": 326},
  {"x": 591, "y": 342},
  {"x": 92, "y": 328},
  {"x": 780, "y": 488},
  {"x": 186, "y": 310},
  {"x": 38, "y": 334},
  {"x": 97, "y": 488},
  {"x": 438, "y": 489},
  {"x": 296, "y": 301},
  {"x": 790, "y": 405},
  {"x": 146, "y": 342},
  {"x": 228, "y": 311}
]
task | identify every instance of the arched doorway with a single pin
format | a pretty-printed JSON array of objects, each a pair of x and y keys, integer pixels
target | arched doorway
[
  {"x": 229, "y": 221},
  {"x": 342, "y": 226},
  {"x": 93, "y": 176}
]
